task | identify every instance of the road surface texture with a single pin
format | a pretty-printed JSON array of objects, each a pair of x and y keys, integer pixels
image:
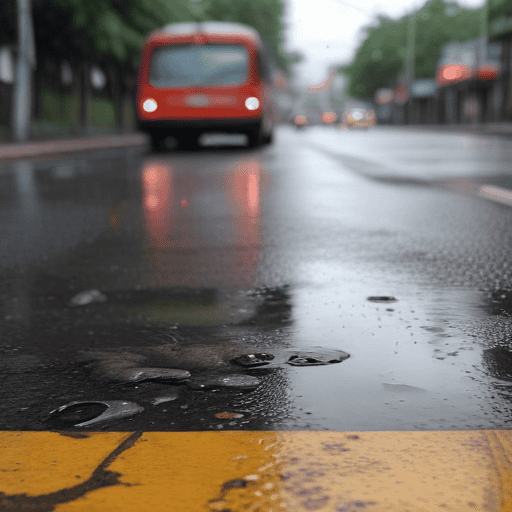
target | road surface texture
[{"x": 357, "y": 282}]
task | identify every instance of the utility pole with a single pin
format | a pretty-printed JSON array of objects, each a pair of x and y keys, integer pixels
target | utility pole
[
  {"x": 26, "y": 61},
  {"x": 410, "y": 62}
]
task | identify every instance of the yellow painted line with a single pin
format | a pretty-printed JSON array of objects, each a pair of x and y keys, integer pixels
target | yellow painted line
[
  {"x": 257, "y": 471},
  {"x": 496, "y": 194}
]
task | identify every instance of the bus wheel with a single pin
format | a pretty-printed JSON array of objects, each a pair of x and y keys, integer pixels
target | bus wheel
[
  {"x": 255, "y": 138},
  {"x": 268, "y": 139},
  {"x": 188, "y": 141},
  {"x": 156, "y": 142}
]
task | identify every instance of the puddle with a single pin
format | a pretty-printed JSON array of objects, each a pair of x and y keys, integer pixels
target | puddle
[
  {"x": 391, "y": 386},
  {"x": 91, "y": 414},
  {"x": 253, "y": 360},
  {"x": 87, "y": 297},
  {"x": 381, "y": 299},
  {"x": 71, "y": 415},
  {"x": 317, "y": 357},
  {"x": 500, "y": 303},
  {"x": 410, "y": 368},
  {"x": 498, "y": 362},
  {"x": 233, "y": 381},
  {"x": 189, "y": 306},
  {"x": 274, "y": 307},
  {"x": 203, "y": 306},
  {"x": 169, "y": 397},
  {"x": 123, "y": 368}
]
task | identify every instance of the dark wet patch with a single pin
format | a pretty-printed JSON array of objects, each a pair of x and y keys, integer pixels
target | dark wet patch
[
  {"x": 219, "y": 502},
  {"x": 87, "y": 297},
  {"x": 238, "y": 483},
  {"x": 354, "y": 506},
  {"x": 317, "y": 357},
  {"x": 500, "y": 303},
  {"x": 401, "y": 387},
  {"x": 231, "y": 381},
  {"x": 381, "y": 299},
  {"x": 125, "y": 367},
  {"x": 431, "y": 328},
  {"x": 74, "y": 414},
  {"x": 184, "y": 305},
  {"x": 498, "y": 362},
  {"x": 275, "y": 307},
  {"x": 168, "y": 397},
  {"x": 179, "y": 294},
  {"x": 307, "y": 361},
  {"x": 74, "y": 435},
  {"x": 100, "y": 478},
  {"x": 253, "y": 360},
  {"x": 117, "y": 372},
  {"x": 335, "y": 447},
  {"x": 229, "y": 415},
  {"x": 19, "y": 362},
  {"x": 91, "y": 414},
  {"x": 371, "y": 170}
]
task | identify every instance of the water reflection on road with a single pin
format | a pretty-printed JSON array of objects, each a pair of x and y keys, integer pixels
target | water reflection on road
[
  {"x": 411, "y": 366},
  {"x": 185, "y": 213},
  {"x": 225, "y": 253}
]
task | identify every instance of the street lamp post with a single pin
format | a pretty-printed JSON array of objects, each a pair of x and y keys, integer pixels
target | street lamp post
[
  {"x": 410, "y": 62},
  {"x": 22, "y": 104}
]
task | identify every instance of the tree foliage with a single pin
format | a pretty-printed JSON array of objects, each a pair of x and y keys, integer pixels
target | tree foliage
[
  {"x": 263, "y": 15},
  {"x": 7, "y": 18},
  {"x": 498, "y": 8},
  {"x": 104, "y": 30},
  {"x": 114, "y": 30},
  {"x": 381, "y": 58}
]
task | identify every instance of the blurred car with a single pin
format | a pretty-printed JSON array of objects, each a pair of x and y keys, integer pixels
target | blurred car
[
  {"x": 359, "y": 118},
  {"x": 329, "y": 117},
  {"x": 300, "y": 121}
]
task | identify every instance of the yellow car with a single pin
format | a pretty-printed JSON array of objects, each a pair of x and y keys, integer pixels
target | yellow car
[
  {"x": 359, "y": 118},
  {"x": 300, "y": 121}
]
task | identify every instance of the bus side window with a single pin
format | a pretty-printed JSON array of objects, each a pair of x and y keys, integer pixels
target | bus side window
[{"x": 263, "y": 67}]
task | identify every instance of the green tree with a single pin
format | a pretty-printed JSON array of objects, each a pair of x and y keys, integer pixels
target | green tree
[
  {"x": 114, "y": 30},
  {"x": 8, "y": 19},
  {"x": 381, "y": 57},
  {"x": 265, "y": 16},
  {"x": 101, "y": 29}
]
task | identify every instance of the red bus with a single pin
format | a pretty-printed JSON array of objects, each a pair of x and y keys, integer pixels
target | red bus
[{"x": 204, "y": 77}]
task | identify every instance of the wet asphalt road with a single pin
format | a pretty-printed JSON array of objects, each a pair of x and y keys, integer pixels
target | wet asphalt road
[{"x": 205, "y": 256}]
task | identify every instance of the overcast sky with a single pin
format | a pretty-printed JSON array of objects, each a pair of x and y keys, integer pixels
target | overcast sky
[{"x": 328, "y": 32}]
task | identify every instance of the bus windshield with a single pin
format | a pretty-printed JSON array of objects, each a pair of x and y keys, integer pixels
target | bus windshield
[{"x": 192, "y": 64}]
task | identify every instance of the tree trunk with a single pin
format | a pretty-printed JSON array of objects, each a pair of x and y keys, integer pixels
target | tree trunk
[{"x": 85, "y": 95}]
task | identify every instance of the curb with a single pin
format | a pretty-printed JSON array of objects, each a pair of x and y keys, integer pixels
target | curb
[
  {"x": 56, "y": 147},
  {"x": 212, "y": 471},
  {"x": 501, "y": 130}
]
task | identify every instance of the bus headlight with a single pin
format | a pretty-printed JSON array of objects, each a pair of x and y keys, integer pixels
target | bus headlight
[
  {"x": 149, "y": 105},
  {"x": 252, "y": 103}
]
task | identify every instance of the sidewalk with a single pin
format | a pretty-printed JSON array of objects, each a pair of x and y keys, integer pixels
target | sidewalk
[
  {"x": 41, "y": 148},
  {"x": 36, "y": 149},
  {"x": 501, "y": 129}
]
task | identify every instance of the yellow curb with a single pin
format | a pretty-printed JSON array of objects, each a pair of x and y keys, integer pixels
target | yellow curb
[{"x": 256, "y": 471}]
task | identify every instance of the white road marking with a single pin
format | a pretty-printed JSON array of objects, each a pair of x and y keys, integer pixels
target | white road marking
[{"x": 496, "y": 194}]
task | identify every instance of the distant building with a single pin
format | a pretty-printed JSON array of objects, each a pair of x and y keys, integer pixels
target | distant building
[
  {"x": 500, "y": 31},
  {"x": 466, "y": 79}
]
